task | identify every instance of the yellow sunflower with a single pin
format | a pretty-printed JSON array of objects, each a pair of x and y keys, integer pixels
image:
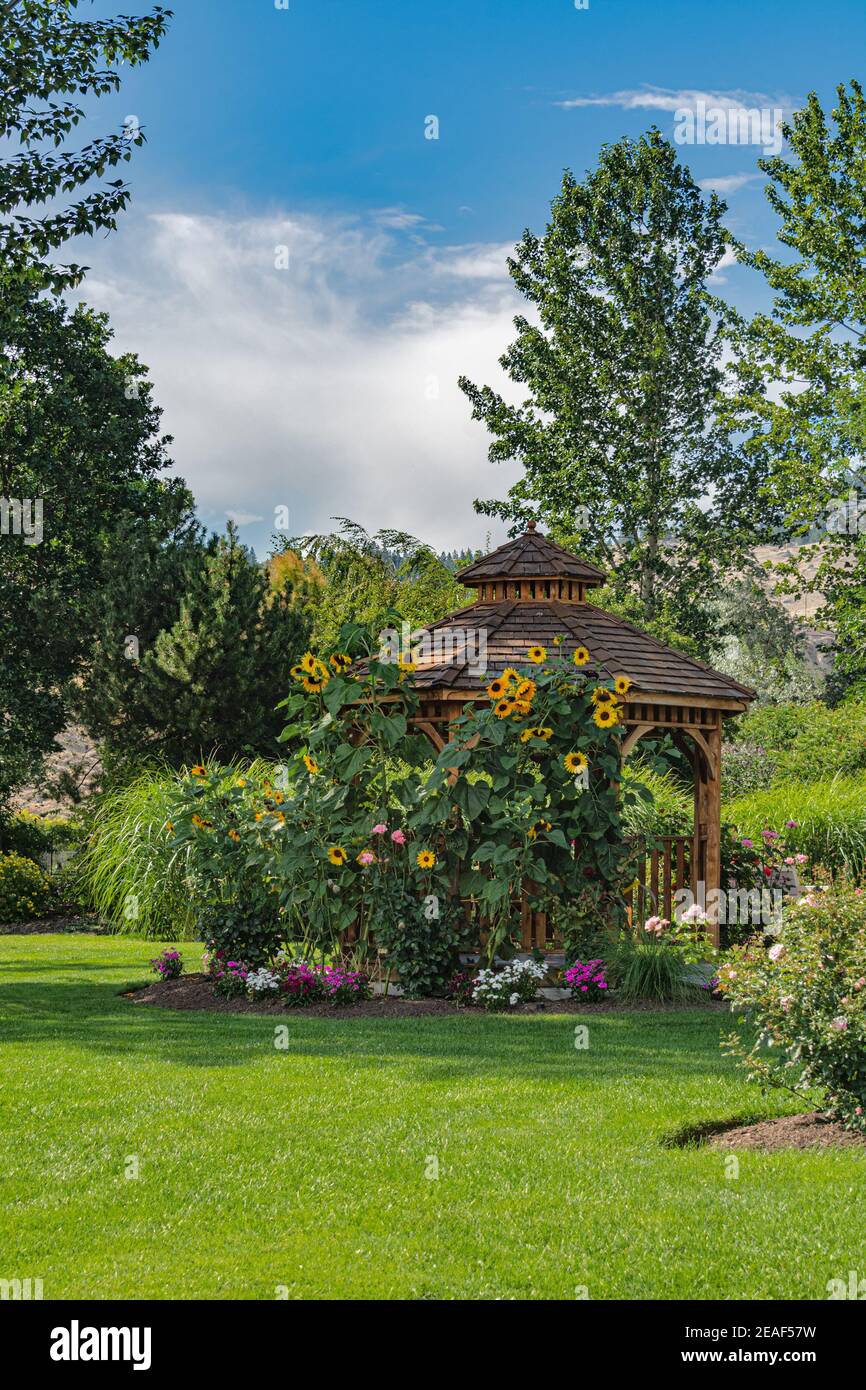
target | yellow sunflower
[
  {"x": 510, "y": 675},
  {"x": 311, "y": 765},
  {"x": 340, "y": 662},
  {"x": 539, "y": 825},
  {"x": 297, "y": 673},
  {"x": 622, "y": 685},
  {"x": 425, "y": 859},
  {"x": 199, "y": 771},
  {"x": 581, "y": 656},
  {"x": 497, "y": 688},
  {"x": 309, "y": 662},
  {"x": 605, "y": 716},
  {"x": 537, "y": 655},
  {"x": 522, "y": 708},
  {"x": 602, "y": 696},
  {"x": 526, "y": 689},
  {"x": 337, "y": 855},
  {"x": 233, "y": 835},
  {"x": 575, "y": 762},
  {"x": 527, "y": 735},
  {"x": 503, "y": 708},
  {"x": 169, "y": 827},
  {"x": 544, "y": 734},
  {"x": 312, "y": 686}
]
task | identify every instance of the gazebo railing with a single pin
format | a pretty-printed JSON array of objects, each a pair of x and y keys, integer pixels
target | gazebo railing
[{"x": 663, "y": 870}]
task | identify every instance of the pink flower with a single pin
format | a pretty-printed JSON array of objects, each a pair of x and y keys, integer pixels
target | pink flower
[
  {"x": 749, "y": 844},
  {"x": 786, "y": 1001},
  {"x": 379, "y": 830},
  {"x": 840, "y": 1023},
  {"x": 656, "y": 924},
  {"x": 398, "y": 837},
  {"x": 801, "y": 858},
  {"x": 366, "y": 857},
  {"x": 790, "y": 859},
  {"x": 776, "y": 951},
  {"x": 695, "y": 913},
  {"x": 860, "y": 983}
]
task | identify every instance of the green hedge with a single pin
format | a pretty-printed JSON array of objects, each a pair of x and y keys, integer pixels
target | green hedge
[
  {"x": 31, "y": 835},
  {"x": 807, "y": 743}
]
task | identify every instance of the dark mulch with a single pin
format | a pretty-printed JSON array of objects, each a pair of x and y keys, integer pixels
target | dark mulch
[
  {"x": 44, "y": 926},
  {"x": 810, "y": 1131},
  {"x": 196, "y": 992}
]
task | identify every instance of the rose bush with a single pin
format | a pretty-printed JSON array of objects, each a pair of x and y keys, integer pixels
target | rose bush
[{"x": 801, "y": 1004}]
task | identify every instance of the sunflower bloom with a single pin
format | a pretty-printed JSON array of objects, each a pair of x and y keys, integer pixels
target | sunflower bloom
[
  {"x": 199, "y": 771},
  {"x": 575, "y": 762},
  {"x": 337, "y": 855},
  {"x": 602, "y": 696},
  {"x": 233, "y": 835},
  {"x": 311, "y": 765},
  {"x": 522, "y": 708},
  {"x": 308, "y": 663},
  {"x": 622, "y": 685},
  {"x": 581, "y": 656},
  {"x": 544, "y": 733},
  {"x": 503, "y": 708},
  {"x": 537, "y": 655},
  {"x": 497, "y": 688},
  {"x": 425, "y": 859},
  {"x": 526, "y": 689},
  {"x": 340, "y": 662},
  {"x": 510, "y": 676},
  {"x": 605, "y": 716}
]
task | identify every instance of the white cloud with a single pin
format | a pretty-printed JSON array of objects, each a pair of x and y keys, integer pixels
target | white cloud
[
  {"x": 728, "y": 183},
  {"x": 330, "y": 387},
  {"x": 665, "y": 99},
  {"x": 729, "y": 258}
]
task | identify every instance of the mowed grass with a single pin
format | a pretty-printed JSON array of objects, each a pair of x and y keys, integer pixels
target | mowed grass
[{"x": 263, "y": 1171}]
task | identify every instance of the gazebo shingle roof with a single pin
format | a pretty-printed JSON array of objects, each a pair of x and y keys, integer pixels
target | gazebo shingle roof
[{"x": 616, "y": 648}]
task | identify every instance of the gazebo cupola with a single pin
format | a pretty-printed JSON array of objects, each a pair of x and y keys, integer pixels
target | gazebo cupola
[{"x": 531, "y": 569}]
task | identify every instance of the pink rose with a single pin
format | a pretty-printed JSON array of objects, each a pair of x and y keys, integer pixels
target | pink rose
[
  {"x": 379, "y": 830},
  {"x": 775, "y": 952},
  {"x": 398, "y": 837}
]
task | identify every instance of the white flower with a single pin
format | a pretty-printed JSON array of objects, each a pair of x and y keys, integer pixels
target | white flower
[{"x": 514, "y": 999}]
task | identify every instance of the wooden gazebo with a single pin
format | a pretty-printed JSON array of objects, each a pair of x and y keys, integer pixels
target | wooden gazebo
[{"x": 531, "y": 591}]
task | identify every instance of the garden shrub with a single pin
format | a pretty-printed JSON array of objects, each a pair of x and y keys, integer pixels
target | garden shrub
[
  {"x": 808, "y": 742},
  {"x": 247, "y": 933},
  {"x": 421, "y": 941},
  {"x": 24, "y": 889},
  {"x": 35, "y": 836},
  {"x": 801, "y": 1003},
  {"x": 826, "y": 821},
  {"x": 747, "y": 767}
]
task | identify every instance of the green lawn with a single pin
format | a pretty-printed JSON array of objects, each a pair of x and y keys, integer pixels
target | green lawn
[{"x": 306, "y": 1168}]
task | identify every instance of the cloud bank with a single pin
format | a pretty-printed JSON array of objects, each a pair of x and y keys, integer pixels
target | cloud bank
[{"x": 311, "y": 363}]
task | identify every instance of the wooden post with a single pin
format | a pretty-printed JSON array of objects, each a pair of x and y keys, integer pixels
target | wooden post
[{"x": 713, "y": 866}]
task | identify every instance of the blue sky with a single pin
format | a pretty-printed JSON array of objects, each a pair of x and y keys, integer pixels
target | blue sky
[{"x": 328, "y": 386}]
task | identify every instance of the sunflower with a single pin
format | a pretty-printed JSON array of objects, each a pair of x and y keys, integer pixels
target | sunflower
[
  {"x": 233, "y": 835},
  {"x": 537, "y": 655},
  {"x": 169, "y": 827},
  {"x": 241, "y": 782},
  {"x": 311, "y": 765},
  {"x": 309, "y": 662},
  {"x": 313, "y": 687},
  {"x": 575, "y": 762},
  {"x": 539, "y": 825},
  {"x": 602, "y": 696},
  {"x": 503, "y": 708},
  {"x": 337, "y": 855},
  {"x": 622, "y": 685},
  {"x": 297, "y": 673},
  {"x": 510, "y": 675},
  {"x": 199, "y": 771},
  {"x": 605, "y": 717},
  {"x": 527, "y": 735},
  {"x": 526, "y": 689},
  {"x": 340, "y": 662},
  {"x": 581, "y": 656},
  {"x": 425, "y": 859},
  {"x": 497, "y": 688},
  {"x": 544, "y": 734},
  {"x": 522, "y": 708}
]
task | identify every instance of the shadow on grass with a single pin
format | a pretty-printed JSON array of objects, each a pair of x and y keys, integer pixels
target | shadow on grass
[{"x": 450, "y": 1047}]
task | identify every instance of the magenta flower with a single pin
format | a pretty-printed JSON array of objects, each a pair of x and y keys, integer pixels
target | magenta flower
[{"x": 398, "y": 837}]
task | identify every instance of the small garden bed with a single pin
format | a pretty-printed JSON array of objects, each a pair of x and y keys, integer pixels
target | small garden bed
[
  {"x": 197, "y": 992},
  {"x": 809, "y": 1131}
]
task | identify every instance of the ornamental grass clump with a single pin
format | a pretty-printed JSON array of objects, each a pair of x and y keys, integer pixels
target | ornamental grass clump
[
  {"x": 801, "y": 1004},
  {"x": 516, "y": 983},
  {"x": 661, "y": 961}
]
